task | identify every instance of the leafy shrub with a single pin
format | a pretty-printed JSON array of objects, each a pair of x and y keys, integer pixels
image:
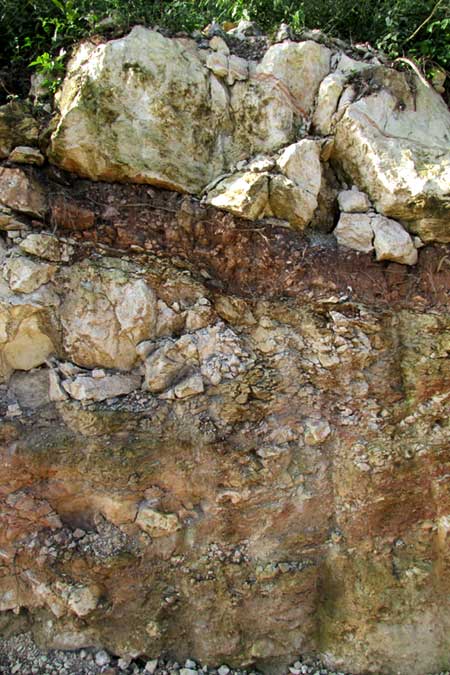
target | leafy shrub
[{"x": 40, "y": 32}]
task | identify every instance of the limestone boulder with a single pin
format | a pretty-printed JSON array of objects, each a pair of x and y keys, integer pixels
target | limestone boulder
[
  {"x": 296, "y": 70},
  {"x": 106, "y": 312},
  {"x": 146, "y": 108},
  {"x": 394, "y": 143}
]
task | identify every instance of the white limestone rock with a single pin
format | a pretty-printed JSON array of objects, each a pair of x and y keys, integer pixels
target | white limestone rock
[
  {"x": 106, "y": 312},
  {"x": 330, "y": 91},
  {"x": 85, "y": 388},
  {"x": 244, "y": 194},
  {"x": 355, "y": 231},
  {"x": 392, "y": 242},
  {"x": 293, "y": 196},
  {"x": 191, "y": 130},
  {"x": 395, "y": 144},
  {"x": 353, "y": 201},
  {"x": 25, "y": 276},
  {"x": 296, "y": 70},
  {"x": 217, "y": 62}
]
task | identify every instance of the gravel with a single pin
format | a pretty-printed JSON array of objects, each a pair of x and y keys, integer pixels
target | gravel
[{"x": 19, "y": 655}]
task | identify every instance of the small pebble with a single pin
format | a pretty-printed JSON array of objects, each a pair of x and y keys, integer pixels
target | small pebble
[{"x": 102, "y": 658}]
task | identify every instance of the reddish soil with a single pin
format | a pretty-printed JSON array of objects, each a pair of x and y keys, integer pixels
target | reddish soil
[{"x": 235, "y": 255}]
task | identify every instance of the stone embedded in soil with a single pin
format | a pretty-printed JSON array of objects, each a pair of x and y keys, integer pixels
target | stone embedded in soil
[
  {"x": 84, "y": 388},
  {"x": 25, "y": 276},
  {"x": 155, "y": 523},
  {"x": 22, "y": 193},
  {"x": 392, "y": 242},
  {"x": 23, "y": 154},
  {"x": 354, "y": 230}
]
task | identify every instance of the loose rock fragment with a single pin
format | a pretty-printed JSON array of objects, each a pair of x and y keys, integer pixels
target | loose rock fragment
[
  {"x": 23, "y": 154},
  {"x": 20, "y": 192},
  {"x": 85, "y": 388},
  {"x": 353, "y": 201},
  {"x": 392, "y": 242},
  {"x": 355, "y": 231}
]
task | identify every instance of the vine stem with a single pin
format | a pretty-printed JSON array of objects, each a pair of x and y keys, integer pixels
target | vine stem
[{"x": 424, "y": 23}]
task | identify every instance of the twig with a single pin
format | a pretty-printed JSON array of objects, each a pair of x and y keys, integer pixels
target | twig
[
  {"x": 415, "y": 68},
  {"x": 424, "y": 23}
]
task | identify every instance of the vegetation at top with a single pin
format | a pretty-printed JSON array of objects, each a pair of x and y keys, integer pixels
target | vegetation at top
[{"x": 38, "y": 34}]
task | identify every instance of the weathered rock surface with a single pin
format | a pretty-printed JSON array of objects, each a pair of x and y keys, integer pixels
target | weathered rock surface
[
  {"x": 190, "y": 128},
  {"x": 226, "y": 439},
  {"x": 105, "y": 314}
]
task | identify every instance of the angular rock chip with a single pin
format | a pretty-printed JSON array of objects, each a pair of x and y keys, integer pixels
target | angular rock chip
[
  {"x": 45, "y": 246},
  {"x": 353, "y": 201},
  {"x": 25, "y": 276},
  {"x": 243, "y": 194},
  {"x": 23, "y": 154}
]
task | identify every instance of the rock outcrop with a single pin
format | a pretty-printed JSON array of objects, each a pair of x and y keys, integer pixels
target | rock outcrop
[{"x": 224, "y": 358}]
